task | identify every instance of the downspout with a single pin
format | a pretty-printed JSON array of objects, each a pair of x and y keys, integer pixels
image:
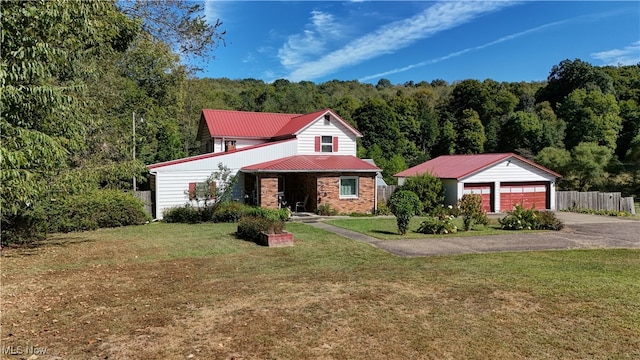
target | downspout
[{"x": 375, "y": 193}]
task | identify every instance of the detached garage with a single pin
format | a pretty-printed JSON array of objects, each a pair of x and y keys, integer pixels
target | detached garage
[{"x": 502, "y": 180}]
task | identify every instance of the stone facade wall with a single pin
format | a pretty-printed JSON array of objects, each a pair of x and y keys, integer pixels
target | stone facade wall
[{"x": 329, "y": 192}]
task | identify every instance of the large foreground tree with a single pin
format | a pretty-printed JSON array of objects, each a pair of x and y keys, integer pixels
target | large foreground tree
[{"x": 47, "y": 54}]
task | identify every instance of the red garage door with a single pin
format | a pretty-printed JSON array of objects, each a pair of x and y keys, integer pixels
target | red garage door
[
  {"x": 484, "y": 190},
  {"x": 529, "y": 195}
]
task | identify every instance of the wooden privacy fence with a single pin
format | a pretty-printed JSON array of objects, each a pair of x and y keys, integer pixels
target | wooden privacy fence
[
  {"x": 145, "y": 197},
  {"x": 384, "y": 192},
  {"x": 593, "y": 200}
]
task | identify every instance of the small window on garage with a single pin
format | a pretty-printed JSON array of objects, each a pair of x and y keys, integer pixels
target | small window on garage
[{"x": 348, "y": 187}]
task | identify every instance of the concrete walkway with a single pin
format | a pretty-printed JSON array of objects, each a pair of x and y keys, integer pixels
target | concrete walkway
[{"x": 581, "y": 231}]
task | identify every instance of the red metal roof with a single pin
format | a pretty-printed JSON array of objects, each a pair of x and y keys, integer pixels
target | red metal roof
[
  {"x": 461, "y": 166},
  {"x": 210, "y": 155},
  {"x": 300, "y": 122},
  {"x": 244, "y": 124},
  {"x": 314, "y": 163}
]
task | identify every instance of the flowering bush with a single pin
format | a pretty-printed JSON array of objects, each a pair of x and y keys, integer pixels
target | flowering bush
[
  {"x": 438, "y": 225},
  {"x": 530, "y": 219}
]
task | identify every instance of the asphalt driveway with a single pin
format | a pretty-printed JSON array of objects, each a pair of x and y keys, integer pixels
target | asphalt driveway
[{"x": 581, "y": 231}]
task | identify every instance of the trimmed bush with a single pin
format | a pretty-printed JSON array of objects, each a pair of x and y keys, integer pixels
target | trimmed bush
[
  {"x": 97, "y": 209},
  {"x": 404, "y": 204}
]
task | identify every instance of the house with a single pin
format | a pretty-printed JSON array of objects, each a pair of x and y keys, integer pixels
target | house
[
  {"x": 503, "y": 180},
  {"x": 297, "y": 160}
]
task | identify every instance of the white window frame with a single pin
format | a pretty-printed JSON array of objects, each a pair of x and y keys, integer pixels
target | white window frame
[
  {"x": 357, "y": 187},
  {"x": 324, "y": 145}
]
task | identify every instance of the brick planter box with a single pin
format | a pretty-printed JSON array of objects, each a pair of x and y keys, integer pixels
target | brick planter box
[{"x": 276, "y": 240}]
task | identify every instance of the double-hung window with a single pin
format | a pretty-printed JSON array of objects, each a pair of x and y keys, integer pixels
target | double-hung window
[
  {"x": 348, "y": 187},
  {"x": 327, "y": 144}
]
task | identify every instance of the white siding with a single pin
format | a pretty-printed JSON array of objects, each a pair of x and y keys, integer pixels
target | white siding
[
  {"x": 218, "y": 143},
  {"x": 173, "y": 180},
  {"x": 346, "y": 138},
  {"x": 509, "y": 171}
]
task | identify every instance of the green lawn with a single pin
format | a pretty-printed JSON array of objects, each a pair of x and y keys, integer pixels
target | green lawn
[
  {"x": 172, "y": 291},
  {"x": 385, "y": 228}
]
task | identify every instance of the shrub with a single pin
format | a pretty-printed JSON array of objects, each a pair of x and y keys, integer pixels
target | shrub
[
  {"x": 383, "y": 209},
  {"x": 530, "y": 219},
  {"x": 93, "y": 210},
  {"x": 519, "y": 219},
  {"x": 270, "y": 214},
  {"x": 404, "y": 205},
  {"x": 326, "y": 210},
  {"x": 250, "y": 227},
  {"x": 228, "y": 211},
  {"x": 548, "y": 221},
  {"x": 257, "y": 220},
  {"x": 438, "y": 225},
  {"x": 183, "y": 214},
  {"x": 25, "y": 227},
  {"x": 428, "y": 188},
  {"x": 471, "y": 210}
]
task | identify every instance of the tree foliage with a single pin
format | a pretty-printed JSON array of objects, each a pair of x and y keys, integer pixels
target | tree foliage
[
  {"x": 49, "y": 50},
  {"x": 181, "y": 25},
  {"x": 428, "y": 188},
  {"x": 591, "y": 116}
]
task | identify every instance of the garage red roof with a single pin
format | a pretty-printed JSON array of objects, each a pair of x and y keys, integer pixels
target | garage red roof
[
  {"x": 461, "y": 166},
  {"x": 314, "y": 163},
  {"x": 245, "y": 124}
]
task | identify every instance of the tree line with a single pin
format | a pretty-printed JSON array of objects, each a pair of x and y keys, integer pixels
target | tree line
[{"x": 73, "y": 73}]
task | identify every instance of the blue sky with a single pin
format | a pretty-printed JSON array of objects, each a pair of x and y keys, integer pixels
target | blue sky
[{"x": 320, "y": 41}]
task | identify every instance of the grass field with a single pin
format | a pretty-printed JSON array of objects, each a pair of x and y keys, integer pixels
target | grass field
[
  {"x": 171, "y": 291},
  {"x": 386, "y": 228}
]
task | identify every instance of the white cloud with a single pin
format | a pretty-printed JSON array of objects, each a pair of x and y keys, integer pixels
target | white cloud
[
  {"x": 629, "y": 55},
  {"x": 301, "y": 47},
  {"x": 464, "y": 51},
  {"x": 212, "y": 11},
  {"x": 387, "y": 39}
]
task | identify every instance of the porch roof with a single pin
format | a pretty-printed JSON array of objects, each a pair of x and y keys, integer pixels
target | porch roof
[{"x": 314, "y": 163}]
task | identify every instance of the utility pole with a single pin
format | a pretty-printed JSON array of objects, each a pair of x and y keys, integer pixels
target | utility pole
[{"x": 133, "y": 127}]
